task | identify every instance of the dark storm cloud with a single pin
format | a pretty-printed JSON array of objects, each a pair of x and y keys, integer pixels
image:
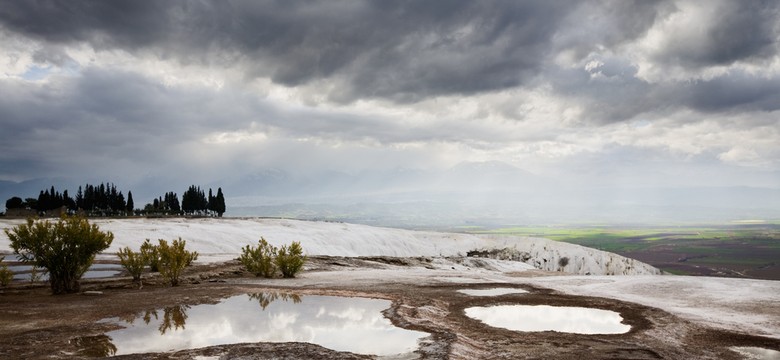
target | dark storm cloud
[
  {"x": 219, "y": 89},
  {"x": 611, "y": 93},
  {"x": 398, "y": 50},
  {"x": 81, "y": 124},
  {"x": 102, "y": 120},
  {"x": 738, "y": 31},
  {"x": 409, "y": 50},
  {"x": 123, "y": 23},
  {"x": 736, "y": 91}
]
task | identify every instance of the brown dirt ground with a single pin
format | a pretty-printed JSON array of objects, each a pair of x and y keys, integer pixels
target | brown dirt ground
[{"x": 37, "y": 325}]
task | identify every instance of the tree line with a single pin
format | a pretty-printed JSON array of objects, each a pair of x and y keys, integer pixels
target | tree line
[
  {"x": 193, "y": 202},
  {"x": 106, "y": 200}
]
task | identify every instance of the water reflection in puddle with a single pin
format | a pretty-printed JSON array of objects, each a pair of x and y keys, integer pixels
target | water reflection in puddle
[
  {"x": 550, "y": 318},
  {"x": 338, "y": 323},
  {"x": 757, "y": 353},
  {"x": 492, "y": 292}
]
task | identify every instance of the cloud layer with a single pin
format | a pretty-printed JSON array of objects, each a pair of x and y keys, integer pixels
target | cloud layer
[{"x": 205, "y": 91}]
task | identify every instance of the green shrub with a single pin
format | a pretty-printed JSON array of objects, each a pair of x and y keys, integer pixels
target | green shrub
[
  {"x": 173, "y": 259},
  {"x": 152, "y": 255},
  {"x": 6, "y": 275},
  {"x": 290, "y": 259},
  {"x": 65, "y": 249},
  {"x": 259, "y": 260},
  {"x": 133, "y": 262}
]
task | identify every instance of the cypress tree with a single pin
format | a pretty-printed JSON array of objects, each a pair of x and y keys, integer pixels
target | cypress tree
[
  {"x": 68, "y": 201},
  {"x": 202, "y": 201},
  {"x": 101, "y": 197},
  {"x": 80, "y": 198},
  {"x": 130, "y": 205},
  {"x": 220, "y": 203},
  {"x": 42, "y": 201},
  {"x": 211, "y": 202}
]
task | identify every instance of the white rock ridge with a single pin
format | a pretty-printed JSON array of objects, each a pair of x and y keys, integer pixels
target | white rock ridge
[
  {"x": 222, "y": 239},
  {"x": 556, "y": 256}
]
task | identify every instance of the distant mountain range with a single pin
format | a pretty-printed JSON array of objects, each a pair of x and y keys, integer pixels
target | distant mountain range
[
  {"x": 470, "y": 192},
  {"x": 476, "y": 177}
]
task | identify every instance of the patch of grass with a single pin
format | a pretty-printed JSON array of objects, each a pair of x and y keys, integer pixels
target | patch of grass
[{"x": 677, "y": 272}]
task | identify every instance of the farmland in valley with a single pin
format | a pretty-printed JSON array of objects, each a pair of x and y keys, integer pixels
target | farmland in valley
[{"x": 733, "y": 250}]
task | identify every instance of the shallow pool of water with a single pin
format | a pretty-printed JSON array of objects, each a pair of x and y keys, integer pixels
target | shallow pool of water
[
  {"x": 339, "y": 323},
  {"x": 492, "y": 292},
  {"x": 576, "y": 320}
]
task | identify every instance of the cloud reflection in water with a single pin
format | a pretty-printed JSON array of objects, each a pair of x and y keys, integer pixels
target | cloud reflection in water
[
  {"x": 339, "y": 323},
  {"x": 550, "y": 318}
]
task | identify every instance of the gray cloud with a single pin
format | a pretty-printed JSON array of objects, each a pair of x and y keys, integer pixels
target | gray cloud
[
  {"x": 609, "y": 91},
  {"x": 123, "y": 23},
  {"x": 404, "y": 51},
  {"x": 737, "y": 91},
  {"x": 397, "y": 50},
  {"x": 607, "y": 24},
  {"x": 87, "y": 123},
  {"x": 378, "y": 83},
  {"x": 738, "y": 31}
]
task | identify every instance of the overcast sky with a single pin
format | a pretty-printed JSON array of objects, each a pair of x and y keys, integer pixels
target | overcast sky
[{"x": 666, "y": 93}]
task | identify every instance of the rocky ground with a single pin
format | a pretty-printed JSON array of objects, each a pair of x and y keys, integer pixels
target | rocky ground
[{"x": 37, "y": 325}]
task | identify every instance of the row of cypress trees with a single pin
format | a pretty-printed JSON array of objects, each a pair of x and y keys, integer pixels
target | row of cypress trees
[
  {"x": 193, "y": 202},
  {"x": 95, "y": 200},
  {"x": 104, "y": 199},
  {"x": 107, "y": 200}
]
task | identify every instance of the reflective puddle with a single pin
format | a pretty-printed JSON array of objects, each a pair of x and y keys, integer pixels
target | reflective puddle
[
  {"x": 492, "y": 292},
  {"x": 550, "y": 318},
  {"x": 757, "y": 353},
  {"x": 338, "y": 323}
]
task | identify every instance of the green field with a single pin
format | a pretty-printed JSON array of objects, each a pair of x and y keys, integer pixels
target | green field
[{"x": 733, "y": 250}]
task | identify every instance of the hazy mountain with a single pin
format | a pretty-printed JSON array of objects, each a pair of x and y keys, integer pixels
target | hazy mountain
[{"x": 491, "y": 193}]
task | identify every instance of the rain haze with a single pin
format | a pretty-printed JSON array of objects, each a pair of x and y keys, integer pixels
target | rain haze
[{"x": 402, "y": 113}]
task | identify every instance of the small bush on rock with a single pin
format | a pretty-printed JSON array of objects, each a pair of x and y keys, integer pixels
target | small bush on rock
[
  {"x": 259, "y": 260},
  {"x": 133, "y": 262},
  {"x": 65, "y": 249},
  {"x": 290, "y": 259},
  {"x": 173, "y": 259}
]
